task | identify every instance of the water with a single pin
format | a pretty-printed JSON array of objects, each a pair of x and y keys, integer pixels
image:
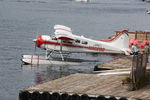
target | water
[{"x": 23, "y": 20}]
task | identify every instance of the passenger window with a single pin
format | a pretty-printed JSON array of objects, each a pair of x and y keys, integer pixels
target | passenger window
[
  {"x": 84, "y": 42},
  {"x": 77, "y": 41},
  {"x": 70, "y": 42}
]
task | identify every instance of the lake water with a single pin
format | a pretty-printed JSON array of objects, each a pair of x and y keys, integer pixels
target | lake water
[{"x": 22, "y": 20}]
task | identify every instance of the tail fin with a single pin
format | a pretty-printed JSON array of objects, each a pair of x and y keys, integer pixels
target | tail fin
[{"x": 121, "y": 41}]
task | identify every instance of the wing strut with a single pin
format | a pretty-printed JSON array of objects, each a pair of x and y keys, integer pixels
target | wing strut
[
  {"x": 61, "y": 51},
  {"x": 48, "y": 53}
]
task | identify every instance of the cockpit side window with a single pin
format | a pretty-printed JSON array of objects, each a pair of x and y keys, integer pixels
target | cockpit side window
[{"x": 54, "y": 38}]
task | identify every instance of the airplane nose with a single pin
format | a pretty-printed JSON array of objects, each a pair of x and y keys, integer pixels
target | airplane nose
[{"x": 39, "y": 41}]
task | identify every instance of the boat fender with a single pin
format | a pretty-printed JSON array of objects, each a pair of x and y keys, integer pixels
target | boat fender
[
  {"x": 35, "y": 95},
  {"x": 112, "y": 98},
  {"x": 64, "y": 96},
  {"x": 24, "y": 95},
  {"x": 123, "y": 98},
  {"x": 45, "y": 96},
  {"x": 85, "y": 97},
  {"x": 55, "y": 96},
  {"x": 101, "y": 97},
  {"x": 75, "y": 97}
]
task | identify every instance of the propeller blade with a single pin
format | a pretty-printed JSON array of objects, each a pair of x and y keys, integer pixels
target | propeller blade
[
  {"x": 35, "y": 40},
  {"x": 35, "y": 44},
  {"x": 35, "y": 47}
]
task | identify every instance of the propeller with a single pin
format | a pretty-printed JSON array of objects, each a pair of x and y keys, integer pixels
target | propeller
[{"x": 35, "y": 44}]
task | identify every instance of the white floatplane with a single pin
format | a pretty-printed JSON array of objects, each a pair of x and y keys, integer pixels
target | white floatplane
[
  {"x": 147, "y": 0},
  {"x": 82, "y": 0},
  {"x": 64, "y": 43},
  {"x": 148, "y": 11}
]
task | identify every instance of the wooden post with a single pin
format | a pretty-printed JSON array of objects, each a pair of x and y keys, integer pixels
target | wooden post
[
  {"x": 134, "y": 64},
  {"x": 146, "y": 35},
  {"x": 137, "y": 72},
  {"x": 139, "y": 68},
  {"x": 144, "y": 64},
  {"x": 139, "y": 63},
  {"x": 136, "y": 35}
]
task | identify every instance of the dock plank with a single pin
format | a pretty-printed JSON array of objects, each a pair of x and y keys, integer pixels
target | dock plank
[{"x": 119, "y": 63}]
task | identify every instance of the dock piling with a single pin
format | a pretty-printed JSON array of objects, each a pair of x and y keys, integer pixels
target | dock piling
[
  {"x": 123, "y": 98},
  {"x": 101, "y": 97},
  {"x": 85, "y": 97},
  {"x": 24, "y": 95},
  {"x": 55, "y": 96},
  {"x": 45, "y": 96},
  {"x": 36, "y": 95},
  {"x": 64, "y": 96},
  {"x": 75, "y": 97},
  {"x": 112, "y": 98}
]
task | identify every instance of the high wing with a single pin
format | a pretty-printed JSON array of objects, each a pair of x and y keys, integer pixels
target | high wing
[{"x": 63, "y": 32}]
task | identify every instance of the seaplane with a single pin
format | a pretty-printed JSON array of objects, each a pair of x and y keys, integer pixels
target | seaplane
[
  {"x": 64, "y": 42},
  {"x": 148, "y": 11},
  {"x": 82, "y": 0}
]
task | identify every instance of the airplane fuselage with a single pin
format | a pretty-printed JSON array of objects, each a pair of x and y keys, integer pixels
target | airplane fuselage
[{"x": 79, "y": 45}]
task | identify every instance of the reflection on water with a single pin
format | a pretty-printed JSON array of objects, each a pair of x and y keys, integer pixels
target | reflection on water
[
  {"x": 44, "y": 73},
  {"x": 39, "y": 79},
  {"x": 32, "y": 1}
]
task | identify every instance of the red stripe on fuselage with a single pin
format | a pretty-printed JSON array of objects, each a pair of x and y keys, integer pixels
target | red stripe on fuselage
[
  {"x": 40, "y": 41},
  {"x": 77, "y": 46}
]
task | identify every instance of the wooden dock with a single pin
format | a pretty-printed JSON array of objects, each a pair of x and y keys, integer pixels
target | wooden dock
[
  {"x": 92, "y": 84},
  {"x": 107, "y": 84}
]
